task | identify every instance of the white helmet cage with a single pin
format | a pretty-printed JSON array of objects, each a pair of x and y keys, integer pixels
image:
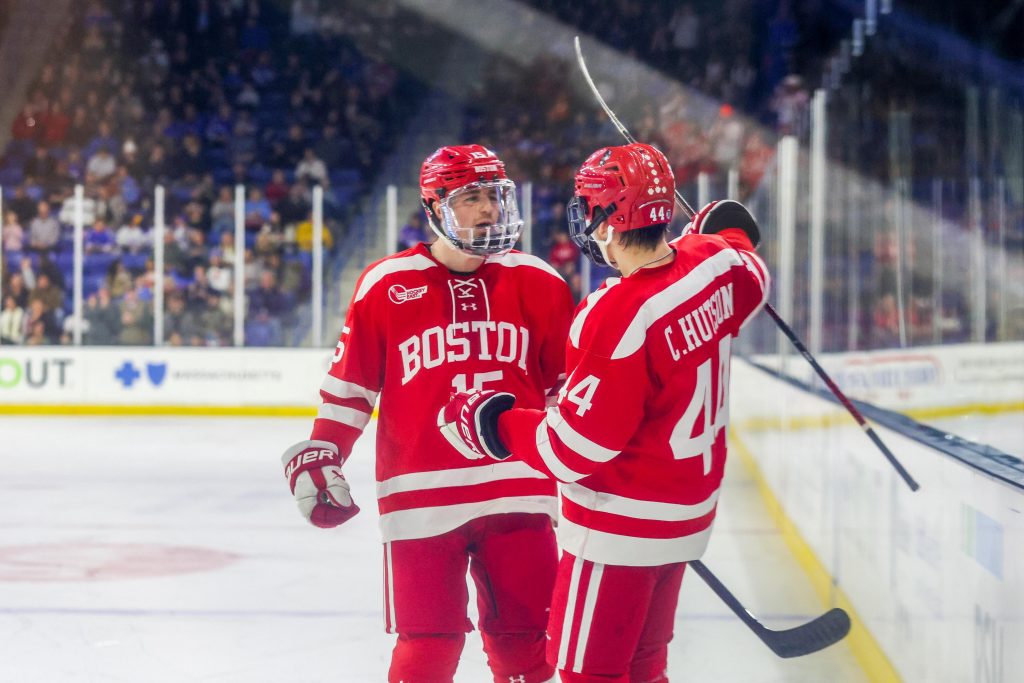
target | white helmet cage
[{"x": 494, "y": 207}]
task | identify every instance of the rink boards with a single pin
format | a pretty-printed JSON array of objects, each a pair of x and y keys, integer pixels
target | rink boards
[{"x": 936, "y": 577}]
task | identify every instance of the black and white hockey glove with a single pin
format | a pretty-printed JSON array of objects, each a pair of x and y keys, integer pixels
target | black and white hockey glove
[
  {"x": 722, "y": 215},
  {"x": 470, "y": 423}
]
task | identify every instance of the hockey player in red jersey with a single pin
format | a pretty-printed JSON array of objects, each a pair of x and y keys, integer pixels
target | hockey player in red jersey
[
  {"x": 638, "y": 435},
  {"x": 466, "y": 312}
]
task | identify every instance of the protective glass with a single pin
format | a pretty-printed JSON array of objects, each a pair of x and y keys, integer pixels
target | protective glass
[{"x": 482, "y": 218}]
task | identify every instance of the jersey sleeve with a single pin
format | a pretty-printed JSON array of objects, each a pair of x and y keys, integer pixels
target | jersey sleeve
[
  {"x": 752, "y": 282},
  {"x": 354, "y": 380},
  {"x": 599, "y": 409}
]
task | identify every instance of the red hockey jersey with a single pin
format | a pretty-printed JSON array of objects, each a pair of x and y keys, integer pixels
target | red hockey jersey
[
  {"x": 638, "y": 435},
  {"x": 415, "y": 332}
]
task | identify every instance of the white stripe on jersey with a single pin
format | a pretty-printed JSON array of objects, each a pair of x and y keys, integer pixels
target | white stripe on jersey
[
  {"x": 629, "y": 551},
  {"x": 343, "y": 415},
  {"x": 576, "y": 441},
  {"x": 463, "y": 476},
  {"x": 662, "y": 303},
  {"x": 756, "y": 266},
  {"x": 593, "y": 586},
  {"x": 547, "y": 454},
  {"x": 577, "y": 323},
  {"x": 514, "y": 259},
  {"x": 639, "y": 509},
  {"x": 425, "y": 522},
  {"x": 339, "y": 388},
  {"x": 389, "y": 266}
]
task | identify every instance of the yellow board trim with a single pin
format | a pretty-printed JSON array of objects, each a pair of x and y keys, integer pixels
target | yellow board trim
[{"x": 865, "y": 648}]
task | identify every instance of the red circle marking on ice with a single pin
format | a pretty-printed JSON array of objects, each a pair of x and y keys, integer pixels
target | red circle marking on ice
[{"x": 105, "y": 561}]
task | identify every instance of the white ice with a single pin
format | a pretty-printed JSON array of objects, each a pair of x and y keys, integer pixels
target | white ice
[{"x": 102, "y": 522}]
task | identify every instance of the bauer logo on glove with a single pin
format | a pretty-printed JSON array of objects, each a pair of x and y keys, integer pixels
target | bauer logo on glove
[
  {"x": 313, "y": 470},
  {"x": 470, "y": 423}
]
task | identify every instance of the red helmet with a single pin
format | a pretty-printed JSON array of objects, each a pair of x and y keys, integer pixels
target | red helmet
[
  {"x": 462, "y": 169},
  {"x": 631, "y": 187}
]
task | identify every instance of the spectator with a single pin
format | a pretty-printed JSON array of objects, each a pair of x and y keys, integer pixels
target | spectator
[
  {"x": 12, "y": 322},
  {"x": 101, "y": 166},
  {"x": 16, "y": 288},
  {"x": 104, "y": 319},
  {"x": 41, "y": 167},
  {"x": 44, "y": 230},
  {"x": 219, "y": 275},
  {"x": 21, "y": 204},
  {"x": 266, "y": 298},
  {"x": 13, "y": 235},
  {"x": 277, "y": 188},
  {"x": 257, "y": 210},
  {"x": 311, "y": 168},
  {"x": 563, "y": 254},
  {"x": 790, "y": 104},
  {"x": 222, "y": 213},
  {"x": 215, "y": 321},
  {"x": 49, "y": 295},
  {"x": 304, "y": 235},
  {"x": 413, "y": 232},
  {"x": 99, "y": 239},
  {"x": 26, "y": 123},
  {"x": 119, "y": 279},
  {"x": 40, "y": 324},
  {"x": 178, "y": 319},
  {"x": 131, "y": 238},
  {"x": 55, "y": 125},
  {"x": 136, "y": 321},
  {"x": 37, "y": 334}
]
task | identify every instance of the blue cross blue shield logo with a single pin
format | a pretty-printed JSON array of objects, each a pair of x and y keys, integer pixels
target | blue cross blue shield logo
[{"x": 156, "y": 373}]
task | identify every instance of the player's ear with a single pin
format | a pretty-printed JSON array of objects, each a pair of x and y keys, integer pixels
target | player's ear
[{"x": 601, "y": 232}]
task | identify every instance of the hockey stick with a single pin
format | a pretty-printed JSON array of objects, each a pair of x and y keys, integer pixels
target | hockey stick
[
  {"x": 817, "y": 634},
  {"x": 786, "y": 329}
]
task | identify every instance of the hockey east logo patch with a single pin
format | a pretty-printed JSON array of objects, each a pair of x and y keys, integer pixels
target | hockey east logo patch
[{"x": 400, "y": 294}]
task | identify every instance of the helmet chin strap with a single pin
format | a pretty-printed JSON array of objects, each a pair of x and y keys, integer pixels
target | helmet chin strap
[{"x": 602, "y": 245}]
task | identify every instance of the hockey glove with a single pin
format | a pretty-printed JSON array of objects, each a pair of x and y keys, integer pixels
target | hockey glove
[
  {"x": 722, "y": 215},
  {"x": 313, "y": 470},
  {"x": 470, "y": 423}
]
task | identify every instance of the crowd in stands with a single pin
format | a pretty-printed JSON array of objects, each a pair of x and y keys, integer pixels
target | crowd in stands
[
  {"x": 196, "y": 96},
  {"x": 201, "y": 95}
]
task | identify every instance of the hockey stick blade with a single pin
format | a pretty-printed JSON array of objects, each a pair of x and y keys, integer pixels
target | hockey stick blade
[
  {"x": 815, "y": 635},
  {"x": 786, "y": 329}
]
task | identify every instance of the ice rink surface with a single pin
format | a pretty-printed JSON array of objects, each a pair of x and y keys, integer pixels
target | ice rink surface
[{"x": 168, "y": 550}]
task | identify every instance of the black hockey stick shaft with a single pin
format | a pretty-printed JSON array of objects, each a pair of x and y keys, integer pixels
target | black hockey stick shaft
[
  {"x": 786, "y": 329},
  {"x": 817, "y": 634},
  {"x": 847, "y": 403}
]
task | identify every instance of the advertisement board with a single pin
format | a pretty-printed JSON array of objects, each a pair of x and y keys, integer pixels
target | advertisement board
[{"x": 129, "y": 376}]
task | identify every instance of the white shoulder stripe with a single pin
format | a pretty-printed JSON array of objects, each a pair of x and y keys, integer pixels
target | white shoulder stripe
[
  {"x": 514, "y": 259},
  {"x": 756, "y": 266},
  {"x": 672, "y": 296},
  {"x": 339, "y": 388},
  {"x": 577, "y": 324},
  {"x": 389, "y": 266},
  {"x": 346, "y": 416}
]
